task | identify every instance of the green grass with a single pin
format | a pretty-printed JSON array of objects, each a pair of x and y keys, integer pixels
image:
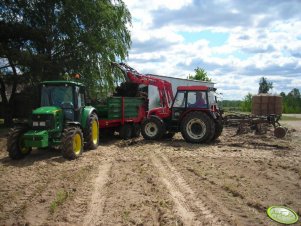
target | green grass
[
  {"x": 289, "y": 118},
  {"x": 61, "y": 197}
]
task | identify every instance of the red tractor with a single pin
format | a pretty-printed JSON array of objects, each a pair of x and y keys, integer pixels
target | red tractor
[{"x": 193, "y": 111}]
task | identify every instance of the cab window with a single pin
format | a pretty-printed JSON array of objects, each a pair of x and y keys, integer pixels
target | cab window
[
  {"x": 180, "y": 100},
  {"x": 197, "y": 99}
]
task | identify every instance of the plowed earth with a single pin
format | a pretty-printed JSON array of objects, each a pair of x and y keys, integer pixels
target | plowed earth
[{"x": 138, "y": 182}]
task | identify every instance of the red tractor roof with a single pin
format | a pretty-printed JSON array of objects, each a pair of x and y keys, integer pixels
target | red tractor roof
[{"x": 192, "y": 88}]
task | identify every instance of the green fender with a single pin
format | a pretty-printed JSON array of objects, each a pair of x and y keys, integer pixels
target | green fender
[{"x": 86, "y": 112}]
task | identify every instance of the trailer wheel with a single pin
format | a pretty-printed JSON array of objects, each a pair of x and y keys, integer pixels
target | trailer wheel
[
  {"x": 218, "y": 130},
  {"x": 91, "y": 134},
  {"x": 107, "y": 132},
  {"x": 136, "y": 130},
  {"x": 197, "y": 127},
  {"x": 15, "y": 143},
  {"x": 152, "y": 129},
  {"x": 72, "y": 143},
  {"x": 125, "y": 131},
  {"x": 169, "y": 135},
  {"x": 279, "y": 132}
]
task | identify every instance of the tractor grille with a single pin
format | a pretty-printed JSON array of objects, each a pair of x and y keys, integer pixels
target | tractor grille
[{"x": 42, "y": 122}]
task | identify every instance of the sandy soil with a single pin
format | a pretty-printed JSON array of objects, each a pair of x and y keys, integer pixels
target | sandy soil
[{"x": 138, "y": 182}]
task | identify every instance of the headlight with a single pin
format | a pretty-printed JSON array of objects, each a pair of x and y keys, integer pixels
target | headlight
[{"x": 43, "y": 121}]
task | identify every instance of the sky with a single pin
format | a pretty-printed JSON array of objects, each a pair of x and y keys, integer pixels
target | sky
[{"x": 236, "y": 41}]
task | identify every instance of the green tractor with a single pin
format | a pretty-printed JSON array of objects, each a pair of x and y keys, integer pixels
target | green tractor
[{"x": 62, "y": 120}]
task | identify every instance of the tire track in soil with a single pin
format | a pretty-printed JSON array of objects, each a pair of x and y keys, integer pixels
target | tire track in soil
[
  {"x": 187, "y": 204},
  {"x": 95, "y": 208}
]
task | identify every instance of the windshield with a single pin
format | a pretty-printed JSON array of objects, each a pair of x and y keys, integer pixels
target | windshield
[{"x": 56, "y": 96}]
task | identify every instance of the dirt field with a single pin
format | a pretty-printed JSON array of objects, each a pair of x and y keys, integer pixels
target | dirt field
[{"x": 138, "y": 182}]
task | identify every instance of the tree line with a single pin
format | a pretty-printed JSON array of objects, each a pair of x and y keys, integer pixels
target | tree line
[
  {"x": 50, "y": 39},
  {"x": 291, "y": 101}
]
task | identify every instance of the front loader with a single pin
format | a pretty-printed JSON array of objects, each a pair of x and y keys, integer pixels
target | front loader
[{"x": 63, "y": 120}]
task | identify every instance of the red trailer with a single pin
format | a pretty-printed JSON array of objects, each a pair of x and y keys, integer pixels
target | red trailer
[{"x": 122, "y": 114}]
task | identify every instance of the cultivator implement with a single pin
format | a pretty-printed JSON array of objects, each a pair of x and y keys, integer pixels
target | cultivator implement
[{"x": 259, "y": 124}]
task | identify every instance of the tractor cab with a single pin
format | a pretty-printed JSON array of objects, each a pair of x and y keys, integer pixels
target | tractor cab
[
  {"x": 67, "y": 95},
  {"x": 191, "y": 98}
]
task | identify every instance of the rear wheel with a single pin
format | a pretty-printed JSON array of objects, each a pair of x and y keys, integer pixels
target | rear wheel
[
  {"x": 72, "y": 143},
  {"x": 15, "y": 143},
  {"x": 152, "y": 129},
  {"x": 197, "y": 127},
  {"x": 92, "y": 132},
  {"x": 125, "y": 132}
]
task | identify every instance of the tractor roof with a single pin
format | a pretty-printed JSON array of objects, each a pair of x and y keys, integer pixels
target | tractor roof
[
  {"x": 62, "y": 82},
  {"x": 192, "y": 88}
]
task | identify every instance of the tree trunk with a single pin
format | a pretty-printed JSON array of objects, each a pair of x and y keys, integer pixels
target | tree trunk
[
  {"x": 9, "y": 104},
  {"x": 7, "y": 114}
]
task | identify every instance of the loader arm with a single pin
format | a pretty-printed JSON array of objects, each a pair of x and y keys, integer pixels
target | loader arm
[{"x": 164, "y": 87}]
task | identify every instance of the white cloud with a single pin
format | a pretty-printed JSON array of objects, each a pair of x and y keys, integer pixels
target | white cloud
[{"x": 265, "y": 42}]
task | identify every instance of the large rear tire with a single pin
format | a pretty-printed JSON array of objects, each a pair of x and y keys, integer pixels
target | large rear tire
[
  {"x": 15, "y": 143},
  {"x": 197, "y": 127},
  {"x": 72, "y": 143},
  {"x": 92, "y": 132},
  {"x": 152, "y": 129}
]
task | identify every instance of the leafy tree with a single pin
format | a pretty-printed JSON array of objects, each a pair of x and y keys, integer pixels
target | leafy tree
[
  {"x": 264, "y": 85},
  {"x": 246, "y": 104},
  {"x": 200, "y": 74},
  {"x": 46, "y": 39},
  {"x": 295, "y": 93},
  {"x": 292, "y": 101}
]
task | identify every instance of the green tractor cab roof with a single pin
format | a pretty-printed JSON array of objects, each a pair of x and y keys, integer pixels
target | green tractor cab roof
[{"x": 62, "y": 82}]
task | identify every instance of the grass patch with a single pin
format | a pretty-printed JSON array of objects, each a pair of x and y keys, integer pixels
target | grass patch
[
  {"x": 289, "y": 118},
  {"x": 126, "y": 215},
  {"x": 61, "y": 197}
]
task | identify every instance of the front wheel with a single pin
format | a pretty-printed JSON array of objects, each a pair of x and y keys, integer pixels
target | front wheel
[
  {"x": 197, "y": 127},
  {"x": 152, "y": 129},
  {"x": 92, "y": 132},
  {"x": 15, "y": 143},
  {"x": 72, "y": 143}
]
